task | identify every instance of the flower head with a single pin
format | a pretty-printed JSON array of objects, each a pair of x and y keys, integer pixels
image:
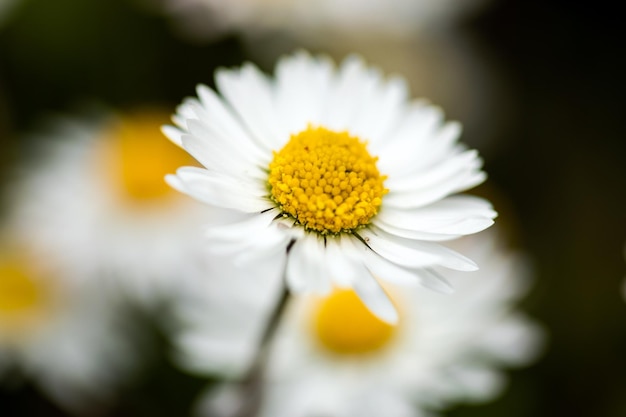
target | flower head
[
  {"x": 335, "y": 173},
  {"x": 58, "y": 331},
  {"x": 97, "y": 200},
  {"x": 331, "y": 356},
  {"x": 314, "y": 19}
]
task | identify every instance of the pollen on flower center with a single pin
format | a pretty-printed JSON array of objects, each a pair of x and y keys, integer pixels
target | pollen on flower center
[
  {"x": 344, "y": 325},
  {"x": 326, "y": 180}
]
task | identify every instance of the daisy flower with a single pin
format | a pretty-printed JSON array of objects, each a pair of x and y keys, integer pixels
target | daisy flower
[
  {"x": 61, "y": 333},
  {"x": 332, "y": 357},
  {"x": 97, "y": 200},
  {"x": 310, "y": 19},
  {"x": 334, "y": 173}
]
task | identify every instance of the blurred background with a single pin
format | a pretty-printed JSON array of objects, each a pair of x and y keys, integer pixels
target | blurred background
[{"x": 538, "y": 86}]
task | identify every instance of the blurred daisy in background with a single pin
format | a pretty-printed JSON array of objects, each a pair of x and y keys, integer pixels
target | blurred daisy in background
[
  {"x": 61, "y": 333},
  {"x": 96, "y": 199},
  {"x": 220, "y": 319},
  {"x": 330, "y": 356},
  {"x": 333, "y": 173},
  {"x": 306, "y": 18}
]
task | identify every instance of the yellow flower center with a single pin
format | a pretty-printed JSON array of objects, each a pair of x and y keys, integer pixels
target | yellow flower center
[
  {"x": 19, "y": 292},
  {"x": 141, "y": 156},
  {"x": 27, "y": 299},
  {"x": 326, "y": 180},
  {"x": 344, "y": 325}
]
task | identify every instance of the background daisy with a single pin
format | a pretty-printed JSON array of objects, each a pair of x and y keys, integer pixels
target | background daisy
[
  {"x": 94, "y": 197},
  {"x": 330, "y": 356},
  {"x": 63, "y": 334},
  {"x": 304, "y": 18}
]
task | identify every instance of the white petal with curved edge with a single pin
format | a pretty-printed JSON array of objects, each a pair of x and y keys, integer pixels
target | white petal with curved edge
[
  {"x": 227, "y": 133},
  {"x": 380, "y": 118},
  {"x": 174, "y": 134},
  {"x": 217, "y": 153},
  {"x": 339, "y": 261},
  {"x": 413, "y": 234},
  {"x": 390, "y": 249},
  {"x": 242, "y": 228},
  {"x": 302, "y": 87},
  {"x": 408, "y": 145},
  {"x": 393, "y": 273},
  {"x": 418, "y": 198},
  {"x": 306, "y": 271},
  {"x": 374, "y": 297},
  {"x": 442, "y": 171},
  {"x": 415, "y": 254},
  {"x": 353, "y": 83},
  {"x": 455, "y": 215},
  {"x": 441, "y": 144},
  {"x": 251, "y": 95},
  {"x": 224, "y": 121},
  {"x": 219, "y": 190}
]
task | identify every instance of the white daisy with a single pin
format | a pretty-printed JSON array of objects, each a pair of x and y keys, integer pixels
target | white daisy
[
  {"x": 306, "y": 18},
  {"x": 334, "y": 173},
  {"x": 97, "y": 200},
  {"x": 332, "y": 357},
  {"x": 61, "y": 333}
]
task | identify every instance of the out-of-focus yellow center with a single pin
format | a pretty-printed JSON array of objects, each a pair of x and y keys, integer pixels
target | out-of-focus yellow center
[
  {"x": 345, "y": 326},
  {"x": 142, "y": 155},
  {"x": 19, "y": 292},
  {"x": 326, "y": 180}
]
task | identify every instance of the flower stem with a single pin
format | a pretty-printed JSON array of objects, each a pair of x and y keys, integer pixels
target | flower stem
[{"x": 251, "y": 387}]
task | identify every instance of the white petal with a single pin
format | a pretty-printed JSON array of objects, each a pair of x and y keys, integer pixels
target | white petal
[
  {"x": 408, "y": 144},
  {"x": 381, "y": 112},
  {"x": 375, "y": 298},
  {"x": 306, "y": 270},
  {"x": 174, "y": 134},
  {"x": 391, "y": 272},
  {"x": 251, "y": 96},
  {"x": 242, "y": 228},
  {"x": 414, "y": 254},
  {"x": 469, "y": 178},
  {"x": 224, "y": 121},
  {"x": 219, "y": 190},
  {"x": 217, "y": 154},
  {"x": 397, "y": 251},
  {"x": 339, "y": 260},
  {"x": 452, "y": 166},
  {"x": 414, "y": 234},
  {"x": 456, "y": 215},
  {"x": 353, "y": 84},
  {"x": 439, "y": 146},
  {"x": 302, "y": 84}
]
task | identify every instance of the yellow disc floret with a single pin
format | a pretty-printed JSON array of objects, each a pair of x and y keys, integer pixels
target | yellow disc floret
[
  {"x": 18, "y": 291},
  {"x": 26, "y": 297},
  {"x": 140, "y": 156},
  {"x": 326, "y": 180},
  {"x": 344, "y": 325}
]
